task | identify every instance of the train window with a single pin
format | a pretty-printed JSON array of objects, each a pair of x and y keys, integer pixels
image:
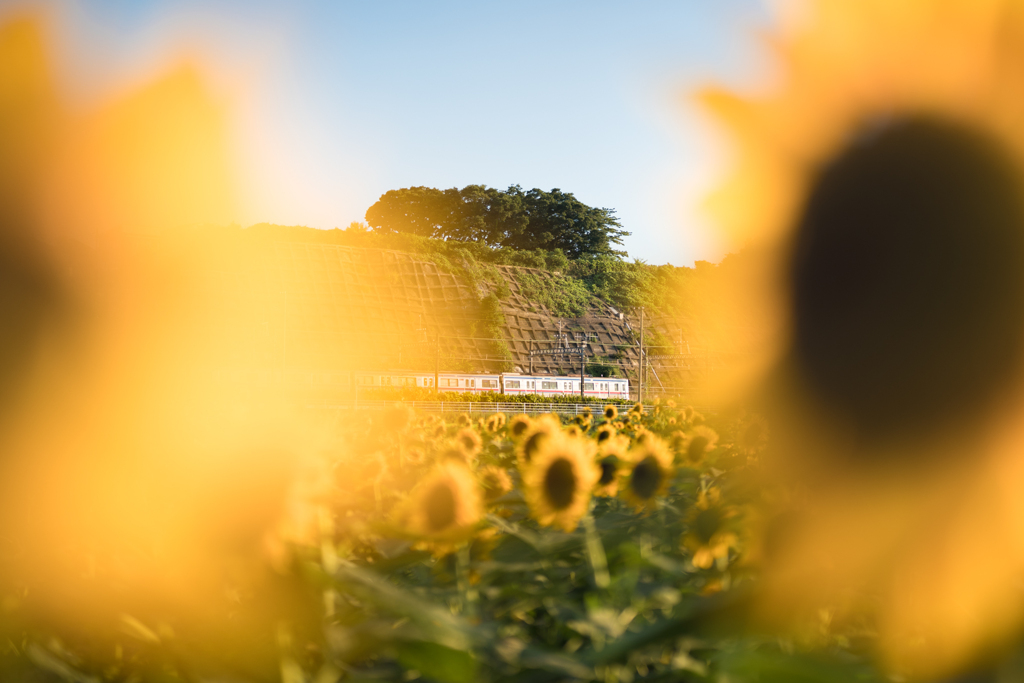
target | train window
[
  {"x": 452, "y": 382},
  {"x": 511, "y": 384},
  {"x": 471, "y": 383},
  {"x": 489, "y": 383},
  {"x": 428, "y": 381},
  {"x": 588, "y": 386},
  {"x": 549, "y": 385},
  {"x": 364, "y": 380}
]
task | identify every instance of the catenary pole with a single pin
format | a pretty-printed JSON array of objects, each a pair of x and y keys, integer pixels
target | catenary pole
[{"x": 640, "y": 378}]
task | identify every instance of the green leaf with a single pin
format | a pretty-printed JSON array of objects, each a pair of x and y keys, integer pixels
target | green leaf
[{"x": 437, "y": 661}]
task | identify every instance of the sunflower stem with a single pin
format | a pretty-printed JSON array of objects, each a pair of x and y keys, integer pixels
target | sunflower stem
[
  {"x": 595, "y": 551},
  {"x": 469, "y": 594}
]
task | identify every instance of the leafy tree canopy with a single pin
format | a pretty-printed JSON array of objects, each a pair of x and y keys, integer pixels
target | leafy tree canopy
[{"x": 532, "y": 219}]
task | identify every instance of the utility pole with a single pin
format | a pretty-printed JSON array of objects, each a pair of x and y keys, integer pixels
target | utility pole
[
  {"x": 583, "y": 365},
  {"x": 640, "y": 390}
]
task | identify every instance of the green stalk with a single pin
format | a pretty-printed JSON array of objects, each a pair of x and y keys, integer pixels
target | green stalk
[{"x": 595, "y": 550}]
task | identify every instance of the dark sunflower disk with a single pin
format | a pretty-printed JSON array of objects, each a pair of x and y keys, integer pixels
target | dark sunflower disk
[{"x": 907, "y": 280}]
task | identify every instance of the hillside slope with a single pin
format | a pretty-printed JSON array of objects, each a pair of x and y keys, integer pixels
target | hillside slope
[{"x": 306, "y": 306}]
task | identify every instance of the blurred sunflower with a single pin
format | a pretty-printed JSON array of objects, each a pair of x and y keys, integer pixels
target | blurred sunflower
[
  {"x": 495, "y": 422},
  {"x": 879, "y": 197},
  {"x": 611, "y": 455},
  {"x": 693, "y": 446},
  {"x": 582, "y": 421},
  {"x": 603, "y": 433},
  {"x": 495, "y": 482},
  {"x": 611, "y": 412},
  {"x": 649, "y": 473},
  {"x": 752, "y": 436},
  {"x": 559, "y": 480},
  {"x": 397, "y": 419},
  {"x": 464, "y": 420},
  {"x": 709, "y": 536},
  {"x": 444, "y": 507},
  {"x": 534, "y": 437},
  {"x": 519, "y": 425},
  {"x": 469, "y": 441}
]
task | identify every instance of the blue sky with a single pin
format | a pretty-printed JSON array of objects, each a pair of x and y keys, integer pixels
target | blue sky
[{"x": 335, "y": 103}]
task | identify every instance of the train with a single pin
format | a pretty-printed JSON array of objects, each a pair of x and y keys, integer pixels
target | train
[{"x": 506, "y": 382}]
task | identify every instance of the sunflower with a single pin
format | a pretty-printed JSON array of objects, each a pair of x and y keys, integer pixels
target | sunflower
[
  {"x": 752, "y": 435},
  {"x": 519, "y": 425},
  {"x": 888, "y": 148},
  {"x": 453, "y": 450},
  {"x": 671, "y": 404},
  {"x": 582, "y": 421},
  {"x": 574, "y": 430},
  {"x": 611, "y": 412},
  {"x": 469, "y": 441},
  {"x": 495, "y": 482},
  {"x": 558, "y": 482},
  {"x": 638, "y": 409},
  {"x": 415, "y": 456},
  {"x": 692, "y": 446},
  {"x": 709, "y": 536},
  {"x": 538, "y": 432},
  {"x": 464, "y": 420},
  {"x": 444, "y": 507},
  {"x": 495, "y": 422},
  {"x": 397, "y": 419},
  {"x": 611, "y": 455},
  {"x": 603, "y": 433},
  {"x": 649, "y": 472}
]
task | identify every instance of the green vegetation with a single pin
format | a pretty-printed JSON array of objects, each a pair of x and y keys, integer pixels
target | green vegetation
[
  {"x": 565, "y": 296},
  {"x": 513, "y": 218}
]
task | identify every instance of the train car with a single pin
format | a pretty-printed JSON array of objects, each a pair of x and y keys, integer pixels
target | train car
[
  {"x": 547, "y": 385},
  {"x": 468, "y": 382},
  {"x": 461, "y": 382}
]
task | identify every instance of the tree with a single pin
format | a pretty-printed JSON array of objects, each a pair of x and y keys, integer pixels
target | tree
[{"x": 535, "y": 219}]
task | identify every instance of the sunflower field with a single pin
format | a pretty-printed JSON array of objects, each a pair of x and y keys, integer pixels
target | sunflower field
[{"x": 619, "y": 546}]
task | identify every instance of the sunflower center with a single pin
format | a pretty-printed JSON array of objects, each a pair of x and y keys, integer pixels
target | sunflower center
[
  {"x": 695, "y": 451},
  {"x": 533, "y": 444},
  {"x": 608, "y": 470},
  {"x": 440, "y": 507},
  {"x": 908, "y": 279},
  {"x": 706, "y": 524},
  {"x": 646, "y": 477},
  {"x": 560, "y": 484}
]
